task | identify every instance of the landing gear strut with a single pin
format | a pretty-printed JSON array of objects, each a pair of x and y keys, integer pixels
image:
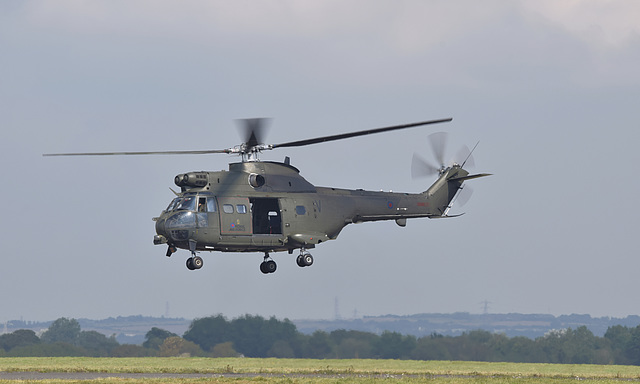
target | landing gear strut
[
  {"x": 194, "y": 262},
  {"x": 304, "y": 259},
  {"x": 268, "y": 265}
]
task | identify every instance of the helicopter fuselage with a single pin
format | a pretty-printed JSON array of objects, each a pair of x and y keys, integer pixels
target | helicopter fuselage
[{"x": 270, "y": 207}]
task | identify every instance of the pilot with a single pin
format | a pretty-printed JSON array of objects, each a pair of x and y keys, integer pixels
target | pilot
[{"x": 202, "y": 206}]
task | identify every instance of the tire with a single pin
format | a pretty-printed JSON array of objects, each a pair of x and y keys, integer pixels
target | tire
[
  {"x": 190, "y": 264},
  {"x": 271, "y": 266},
  {"x": 197, "y": 262},
  {"x": 300, "y": 261},
  {"x": 308, "y": 260},
  {"x": 263, "y": 268}
]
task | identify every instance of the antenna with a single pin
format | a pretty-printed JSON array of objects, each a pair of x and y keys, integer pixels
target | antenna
[
  {"x": 336, "y": 309},
  {"x": 485, "y": 306},
  {"x": 469, "y": 155}
]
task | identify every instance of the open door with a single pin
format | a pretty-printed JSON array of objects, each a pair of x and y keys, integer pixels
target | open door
[{"x": 266, "y": 216}]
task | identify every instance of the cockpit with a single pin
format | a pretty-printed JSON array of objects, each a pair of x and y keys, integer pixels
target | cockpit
[{"x": 192, "y": 203}]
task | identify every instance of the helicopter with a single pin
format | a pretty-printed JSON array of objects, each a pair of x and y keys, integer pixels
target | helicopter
[{"x": 266, "y": 207}]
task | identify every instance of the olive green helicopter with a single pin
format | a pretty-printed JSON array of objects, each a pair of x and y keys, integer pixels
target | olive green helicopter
[{"x": 266, "y": 206}]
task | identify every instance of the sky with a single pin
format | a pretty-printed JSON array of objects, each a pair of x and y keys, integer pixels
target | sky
[{"x": 549, "y": 88}]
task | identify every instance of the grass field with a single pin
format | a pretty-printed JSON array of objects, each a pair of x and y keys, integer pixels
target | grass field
[{"x": 246, "y": 370}]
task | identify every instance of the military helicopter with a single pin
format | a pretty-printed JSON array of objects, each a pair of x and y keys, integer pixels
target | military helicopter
[{"x": 266, "y": 207}]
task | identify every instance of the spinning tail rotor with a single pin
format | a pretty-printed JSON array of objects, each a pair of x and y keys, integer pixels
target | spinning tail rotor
[
  {"x": 423, "y": 168},
  {"x": 438, "y": 142}
]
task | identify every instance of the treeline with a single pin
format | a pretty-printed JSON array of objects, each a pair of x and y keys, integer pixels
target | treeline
[{"x": 255, "y": 336}]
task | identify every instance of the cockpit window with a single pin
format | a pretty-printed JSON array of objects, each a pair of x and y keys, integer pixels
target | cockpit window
[
  {"x": 211, "y": 204},
  {"x": 202, "y": 204},
  {"x": 193, "y": 203},
  {"x": 173, "y": 204},
  {"x": 187, "y": 203}
]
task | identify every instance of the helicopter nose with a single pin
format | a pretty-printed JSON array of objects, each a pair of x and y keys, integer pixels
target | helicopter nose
[
  {"x": 161, "y": 237},
  {"x": 176, "y": 227}
]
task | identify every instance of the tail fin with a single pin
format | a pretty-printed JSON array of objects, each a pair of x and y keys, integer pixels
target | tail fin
[{"x": 444, "y": 190}]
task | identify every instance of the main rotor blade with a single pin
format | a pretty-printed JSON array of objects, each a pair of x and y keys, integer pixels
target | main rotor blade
[
  {"x": 323, "y": 139},
  {"x": 203, "y": 152}
]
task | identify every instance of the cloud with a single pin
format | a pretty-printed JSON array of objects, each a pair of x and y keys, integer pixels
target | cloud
[{"x": 603, "y": 22}]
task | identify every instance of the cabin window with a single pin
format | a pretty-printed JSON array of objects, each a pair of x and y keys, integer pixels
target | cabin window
[
  {"x": 301, "y": 210},
  {"x": 227, "y": 208},
  {"x": 241, "y": 208}
]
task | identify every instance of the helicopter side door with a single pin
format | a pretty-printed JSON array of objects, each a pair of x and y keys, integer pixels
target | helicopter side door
[{"x": 235, "y": 218}]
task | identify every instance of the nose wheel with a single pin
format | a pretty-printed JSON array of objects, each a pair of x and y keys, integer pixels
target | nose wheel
[{"x": 194, "y": 262}]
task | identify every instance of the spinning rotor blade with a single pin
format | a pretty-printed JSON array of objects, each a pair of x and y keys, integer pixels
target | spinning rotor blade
[
  {"x": 254, "y": 131},
  {"x": 464, "y": 157},
  {"x": 323, "y": 139},
  {"x": 464, "y": 195},
  {"x": 206, "y": 151},
  {"x": 438, "y": 141},
  {"x": 421, "y": 167}
]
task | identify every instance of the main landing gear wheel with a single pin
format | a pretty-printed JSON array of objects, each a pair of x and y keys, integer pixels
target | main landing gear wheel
[
  {"x": 194, "y": 263},
  {"x": 268, "y": 266},
  {"x": 304, "y": 260}
]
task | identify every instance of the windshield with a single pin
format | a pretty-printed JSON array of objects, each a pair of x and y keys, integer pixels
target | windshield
[
  {"x": 186, "y": 203},
  {"x": 172, "y": 204}
]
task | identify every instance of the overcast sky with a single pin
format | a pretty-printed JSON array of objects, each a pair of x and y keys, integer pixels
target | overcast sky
[{"x": 550, "y": 88}]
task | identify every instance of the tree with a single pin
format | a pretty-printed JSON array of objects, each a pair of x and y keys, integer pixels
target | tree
[
  {"x": 224, "y": 350},
  {"x": 21, "y": 337},
  {"x": 393, "y": 345},
  {"x": 253, "y": 336},
  {"x": 177, "y": 346},
  {"x": 155, "y": 337},
  {"x": 62, "y": 330},
  {"x": 632, "y": 351},
  {"x": 208, "y": 331},
  {"x": 281, "y": 349},
  {"x": 320, "y": 345},
  {"x": 96, "y": 344},
  {"x": 433, "y": 347},
  {"x": 353, "y": 344}
]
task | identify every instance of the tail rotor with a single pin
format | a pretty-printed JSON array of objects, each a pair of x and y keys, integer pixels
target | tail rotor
[
  {"x": 463, "y": 158},
  {"x": 438, "y": 142}
]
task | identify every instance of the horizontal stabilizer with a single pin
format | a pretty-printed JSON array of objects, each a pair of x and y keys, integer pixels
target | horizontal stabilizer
[{"x": 469, "y": 177}]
